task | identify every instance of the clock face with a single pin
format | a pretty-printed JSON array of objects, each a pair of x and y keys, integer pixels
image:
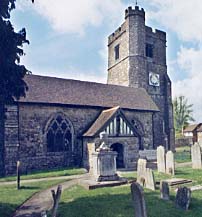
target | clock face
[{"x": 154, "y": 79}]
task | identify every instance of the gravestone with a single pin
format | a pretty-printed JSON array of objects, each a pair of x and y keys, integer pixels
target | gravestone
[
  {"x": 170, "y": 163},
  {"x": 164, "y": 189},
  {"x": 91, "y": 150},
  {"x": 149, "y": 155},
  {"x": 138, "y": 200},
  {"x": 145, "y": 176},
  {"x": 183, "y": 198},
  {"x": 161, "y": 159},
  {"x": 141, "y": 165},
  {"x": 196, "y": 156}
]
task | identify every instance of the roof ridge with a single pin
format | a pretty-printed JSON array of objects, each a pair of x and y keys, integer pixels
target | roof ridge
[{"x": 111, "y": 109}]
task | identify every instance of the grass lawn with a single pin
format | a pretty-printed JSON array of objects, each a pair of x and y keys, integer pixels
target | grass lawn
[
  {"x": 46, "y": 174},
  {"x": 183, "y": 154},
  {"x": 116, "y": 201},
  {"x": 11, "y": 198}
]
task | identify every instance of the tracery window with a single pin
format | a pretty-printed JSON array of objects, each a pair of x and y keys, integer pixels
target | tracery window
[{"x": 59, "y": 135}]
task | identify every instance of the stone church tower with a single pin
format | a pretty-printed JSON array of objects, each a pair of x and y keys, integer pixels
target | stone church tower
[{"x": 137, "y": 58}]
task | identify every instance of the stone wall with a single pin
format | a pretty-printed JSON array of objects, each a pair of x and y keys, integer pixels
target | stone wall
[
  {"x": 118, "y": 69},
  {"x": 25, "y": 136},
  {"x": 33, "y": 119},
  {"x": 11, "y": 142}
]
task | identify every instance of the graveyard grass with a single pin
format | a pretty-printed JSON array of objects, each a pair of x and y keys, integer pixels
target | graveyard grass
[
  {"x": 116, "y": 201},
  {"x": 183, "y": 154},
  {"x": 11, "y": 198},
  {"x": 47, "y": 174}
]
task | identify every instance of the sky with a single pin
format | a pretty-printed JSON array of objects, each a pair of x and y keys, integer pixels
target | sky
[{"x": 68, "y": 39}]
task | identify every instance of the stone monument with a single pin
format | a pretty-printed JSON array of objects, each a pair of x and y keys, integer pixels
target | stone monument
[
  {"x": 161, "y": 159},
  {"x": 138, "y": 200},
  {"x": 145, "y": 176},
  {"x": 196, "y": 156},
  {"x": 183, "y": 198},
  {"x": 104, "y": 161},
  {"x": 165, "y": 191},
  {"x": 170, "y": 163}
]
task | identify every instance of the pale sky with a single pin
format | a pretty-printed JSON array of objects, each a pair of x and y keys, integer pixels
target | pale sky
[{"x": 69, "y": 39}]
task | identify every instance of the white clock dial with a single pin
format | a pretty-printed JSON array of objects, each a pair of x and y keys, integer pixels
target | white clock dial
[{"x": 154, "y": 79}]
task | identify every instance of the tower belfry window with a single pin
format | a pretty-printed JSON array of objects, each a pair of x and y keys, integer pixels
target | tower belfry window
[
  {"x": 149, "y": 50},
  {"x": 116, "y": 52}
]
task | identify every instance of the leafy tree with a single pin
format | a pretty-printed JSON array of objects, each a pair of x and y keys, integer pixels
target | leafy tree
[
  {"x": 183, "y": 113},
  {"x": 12, "y": 85}
]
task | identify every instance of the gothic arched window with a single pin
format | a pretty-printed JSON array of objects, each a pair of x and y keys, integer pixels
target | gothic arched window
[{"x": 59, "y": 135}]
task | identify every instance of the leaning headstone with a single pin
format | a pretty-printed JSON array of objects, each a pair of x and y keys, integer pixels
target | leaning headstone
[
  {"x": 141, "y": 165},
  {"x": 145, "y": 176},
  {"x": 170, "y": 163},
  {"x": 196, "y": 156},
  {"x": 150, "y": 181},
  {"x": 141, "y": 170},
  {"x": 183, "y": 198},
  {"x": 164, "y": 189},
  {"x": 161, "y": 159},
  {"x": 138, "y": 200}
]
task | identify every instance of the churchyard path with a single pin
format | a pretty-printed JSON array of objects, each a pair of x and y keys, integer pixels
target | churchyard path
[
  {"x": 41, "y": 179},
  {"x": 42, "y": 201}
]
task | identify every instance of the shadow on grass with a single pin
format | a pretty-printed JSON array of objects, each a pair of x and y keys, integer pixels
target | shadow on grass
[
  {"x": 120, "y": 205},
  {"x": 6, "y": 209},
  {"x": 29, "y": 188}
]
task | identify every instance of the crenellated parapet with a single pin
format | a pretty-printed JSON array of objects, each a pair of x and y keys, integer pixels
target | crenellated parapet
[
  {"x": 117, "y": 33},
  {"x": 133, "y": 12},
  {"x": 155, "y": 33}
]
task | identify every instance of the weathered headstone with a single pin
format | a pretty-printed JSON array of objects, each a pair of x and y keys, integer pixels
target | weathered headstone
[
  {"x": 196, "y": 156},
  {"x": 161, "y": 159},
  {"x": 141, "y": 165},
  {"x": 145, "y": 176},
  {"x": 150, "y": 181},
  {"x": 149, "y": 155},
  {"x": 170, "y": 163},
  {"x": 138, "y": 200},
  {"x": 91, "y": 150},
  {"x": 56, "y": 199},
  {"x": 164, "y": 189},
  {"x": 183, "y": 198}
]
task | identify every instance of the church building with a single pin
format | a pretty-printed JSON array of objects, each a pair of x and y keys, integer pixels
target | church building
[{"x": 59, "y": 121}]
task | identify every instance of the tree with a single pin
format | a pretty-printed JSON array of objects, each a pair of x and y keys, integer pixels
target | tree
[
  {"x": 183, "y": 113},
  {"x": 12, "y": 85}
]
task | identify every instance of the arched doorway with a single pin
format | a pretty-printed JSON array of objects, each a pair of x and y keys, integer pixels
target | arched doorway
[{"x": 120, "y": 157}]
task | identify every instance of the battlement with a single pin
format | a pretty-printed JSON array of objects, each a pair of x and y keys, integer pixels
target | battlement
[
  {"x": 117, "y": 33},
  {"x": 156, "y": 33},
  {"x": 133, "y": 12}
]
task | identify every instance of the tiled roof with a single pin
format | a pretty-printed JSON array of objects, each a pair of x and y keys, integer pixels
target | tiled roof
[
  {"x": 199, "y": 128},
  {"x": 191, "y": 128},
  {"x": 104, "y": 117},
  {"x": 53, "y": 90}
]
